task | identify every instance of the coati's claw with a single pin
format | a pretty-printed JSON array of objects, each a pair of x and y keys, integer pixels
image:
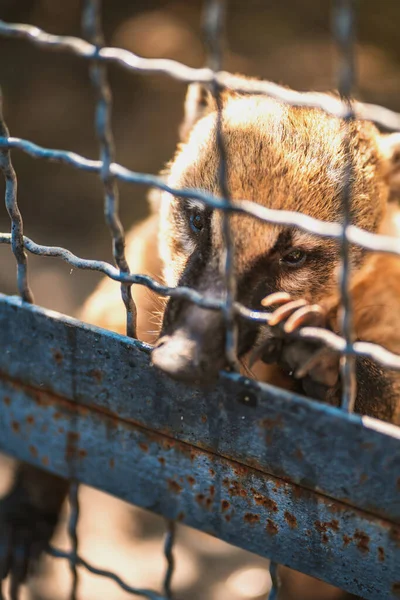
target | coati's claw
[
  {"x": 276, "y": 298},
  {"x": 27, "y": 524},
  {"x": 283, "y": 312},
  {"x": 307, "y": 360},
  {"x": 312, "y": 315}
]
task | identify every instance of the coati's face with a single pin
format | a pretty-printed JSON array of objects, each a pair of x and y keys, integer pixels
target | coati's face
[{"x": 282, "y": 158}]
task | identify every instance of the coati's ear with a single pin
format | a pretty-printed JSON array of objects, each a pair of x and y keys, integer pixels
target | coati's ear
[
  {"x": 198, "y": 103},
  {"x": 390, "y": 150}
]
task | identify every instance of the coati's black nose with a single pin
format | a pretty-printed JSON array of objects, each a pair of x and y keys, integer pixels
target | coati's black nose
[{"x": 182, "y": 358}]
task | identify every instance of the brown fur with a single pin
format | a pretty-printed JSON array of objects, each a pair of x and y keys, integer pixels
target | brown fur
[{"x": 284, "y": 158}]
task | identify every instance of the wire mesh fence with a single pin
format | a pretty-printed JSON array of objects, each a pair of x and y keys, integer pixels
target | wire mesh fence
[{"x": 92, "y": 49}]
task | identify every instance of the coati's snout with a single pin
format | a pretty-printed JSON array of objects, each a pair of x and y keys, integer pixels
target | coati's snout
[
  {"x": 191, "y": 348},
  {"x": 192, "y": 343}
]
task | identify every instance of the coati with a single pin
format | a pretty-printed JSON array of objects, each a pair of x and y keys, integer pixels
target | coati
[{"x": 286, "y": 158}]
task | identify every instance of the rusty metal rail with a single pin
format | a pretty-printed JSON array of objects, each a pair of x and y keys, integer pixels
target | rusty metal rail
[{"x": 246, "y": 462}]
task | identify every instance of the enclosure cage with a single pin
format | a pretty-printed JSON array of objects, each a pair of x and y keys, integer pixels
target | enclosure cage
[{"x": 307, "y": 485}]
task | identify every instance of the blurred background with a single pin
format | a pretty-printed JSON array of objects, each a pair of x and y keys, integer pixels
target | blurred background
[{"x": 48, "y": 99}]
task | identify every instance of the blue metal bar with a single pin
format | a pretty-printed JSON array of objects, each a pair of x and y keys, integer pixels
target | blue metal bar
[
  {"x": 239, "y": 504},
  {"x": 353, "y": 459}
]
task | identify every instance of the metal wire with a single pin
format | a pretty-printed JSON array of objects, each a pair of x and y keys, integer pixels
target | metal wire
[
  {"x": 80, "y": 562},
  {"x": 17, "y": 242},
  {"x": 214, "y": 25},
  {"x": 169, "y": 555},
  {"x": 357, "y": 236},
  {"x": 343, "y": 29},
  {"x": 380, "y": 115},
  {"x": 94, "y": 51},
  {"x": 273, "y": 569},
  {"x": 73, "y": 535},
  {"x": 91, "y": 22}
]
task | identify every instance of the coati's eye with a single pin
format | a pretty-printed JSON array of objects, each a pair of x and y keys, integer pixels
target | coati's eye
[
  {"x": 294, "y": 258},
  {"x": 197, "y": 221}
]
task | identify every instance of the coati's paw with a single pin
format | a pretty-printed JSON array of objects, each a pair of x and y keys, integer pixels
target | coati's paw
[
  {"x": 307, "y": 360},
  {"x": 25, "y": 533}
]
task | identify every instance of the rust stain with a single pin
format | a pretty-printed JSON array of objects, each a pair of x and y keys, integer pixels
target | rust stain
[
  {"x": 346, "y": 540},
  {"x": 209, "y": 501},
  {"x": 298, "y": 492},
  {"x": 191, "y": 480},
  {"x": 395, "y": 534},
  {"x": 61, "y": 430},
  {"x": 143, "y": 446},
  {"x": 168, "y": 444},
  {"x": 174, "y": 486},
  {"x": 261, "y": 500},
  {"x": 45, "y": 461},
  {"x": 212, "y": 472},
  {"x": 15, "y": 426},
  {"x": 30, "y": 419},
  {"x": 57, "y": 415},
  {"x": 161, "y": 460},
  {"x": 251, "y": 518},
  {"x": 396, "y": 588},
  {"x": 290, "y": 520},
  {"x": 299, "y": 454},
  {"x": 271, "y": 527},
  {"x": 324, "y": 538},
  {"x": 33, "y": 451},
  {"x": 227, "y": 518},
  {"x": 325, "y": 526},
  {"x": 240, "y": 470},
  {"x": 204, "y": 418},
  {"x": 272, "y": 423},
  {"x": 111, "y": 462},
  {"x": 57, "y": 355},
  {"x": 368, "y": 446},
  {"x": 96, "y": 374},
  {"x": 225, "y": 504},
  {"x": 381, "y": 554},
  {"x": 7, "y": 400},
  {"x": 212, "y": 491},
  {"x": 362, "y": 540},
  {"x": 180, "y": 517},
  {"x": 237, "y": 490},
  {"x": 70, "y": 448},
  {"x": 82, "y": 453}
]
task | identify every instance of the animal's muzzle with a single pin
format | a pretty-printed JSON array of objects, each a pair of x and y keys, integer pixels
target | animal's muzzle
[{"x": 192, "y": 349}]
